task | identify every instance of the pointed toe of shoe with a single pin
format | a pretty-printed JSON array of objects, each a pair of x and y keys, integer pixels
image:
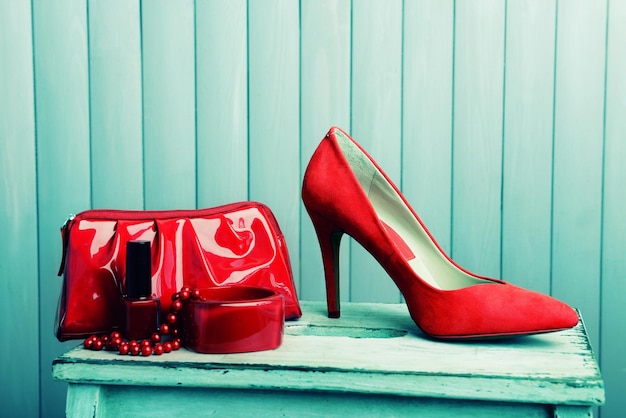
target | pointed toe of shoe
[
  {"x": 561, "y": 316},
  {"x": 535, "y": 312},
  {"x": 496, "y": 310}
]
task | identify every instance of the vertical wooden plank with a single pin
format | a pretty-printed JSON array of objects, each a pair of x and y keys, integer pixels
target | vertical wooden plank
[
  {"x": 427, "y": 113},
  {"x": 115, "y": 99},
  {"x": 169, "y": 104},
  {"x": 527, "y": 165},
  {"x": 274, "y": 118},
  {"x": 477, "y": 143},
  {"x": 63, "y": 167},
  {"x": 578, "y": 131},
  {"x": 18, "y": 213},
  {"x": 222, "y": 106},
  {"x": 376, "y": 119},
  {"x": 613, "y": 337},
  {"x": 325, "y": 98}
]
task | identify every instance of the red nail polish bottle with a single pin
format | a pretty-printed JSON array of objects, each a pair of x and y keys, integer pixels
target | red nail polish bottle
[{"x": 141, "y": 308}]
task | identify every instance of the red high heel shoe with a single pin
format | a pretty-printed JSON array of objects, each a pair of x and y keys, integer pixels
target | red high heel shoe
[{"x": 345, "y": 191}]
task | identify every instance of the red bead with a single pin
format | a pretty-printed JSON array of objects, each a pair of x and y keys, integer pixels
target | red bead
[
  {"x": 133, "y": 343},
  {"x": 185, "y": 294},
  {"x": 97, "y": 345},
  {"x": 146, "y": 343},
  {"x": 164, "y": 328},
  {"x": 115, "y": 334},
  {"x": 88, "y": 343},
  {"x": 115, "y": 342},
  {"x": 176, "y": 306},
  {"x": 175, "y": 332},
  {"x": 134, "y": 350},
  {"x": 175, "y": 296},
  {"x": 158, "y": 349},
  {"x": 175, "y": 343},
  {"x": 124, "y": 349},
  {"x": 104, "y": 339},
  {"x": 156, "y": 337},
  {"x": 185, "y": 289},
  {"x": 195, "y": 293},
  {"x": 167, "y": 347},
  {"x": 146, "y": 350},
  {"x": 171, "y": 318}
]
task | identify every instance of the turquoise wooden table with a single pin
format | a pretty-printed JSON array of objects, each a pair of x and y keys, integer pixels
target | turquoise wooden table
[{"x": 373, "y": 361}]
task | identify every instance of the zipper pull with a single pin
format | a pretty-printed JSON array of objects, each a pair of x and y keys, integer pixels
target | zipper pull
[
  {"x": 69, "y": 219},
  {"x": 65, "y": 238}
]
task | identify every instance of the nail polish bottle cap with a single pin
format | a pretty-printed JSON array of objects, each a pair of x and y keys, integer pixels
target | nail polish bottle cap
[{"x": 138, "y": 271}]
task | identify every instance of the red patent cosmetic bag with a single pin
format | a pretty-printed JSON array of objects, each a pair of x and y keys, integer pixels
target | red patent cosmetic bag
[{"x": 235, "y": 244}]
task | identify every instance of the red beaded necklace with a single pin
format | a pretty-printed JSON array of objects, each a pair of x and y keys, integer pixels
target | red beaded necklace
[{"x": 157, "y": 343}]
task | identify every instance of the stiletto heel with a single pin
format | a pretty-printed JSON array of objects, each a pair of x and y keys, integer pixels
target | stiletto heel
[
  {"x": 345, "y": 191},
  {"x": 329, "y": 238}
]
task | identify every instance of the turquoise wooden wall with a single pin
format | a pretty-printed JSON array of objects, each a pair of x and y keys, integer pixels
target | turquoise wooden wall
[{"x": 504, "y": 122}]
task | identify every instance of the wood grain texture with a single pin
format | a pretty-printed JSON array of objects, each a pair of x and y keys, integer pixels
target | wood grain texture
[
  {"x": 578, "y": 143},
  {"x": 115, "y": 104},
  {"x": 274, "y": 119},
  {"x": 169, "y": 116},
  {"x": 63, "y": 159},
  {"x": 527, "y": 156},
  {"x": 613, "y": 285},
  {"x": 325, "y": 102},
  {"x": 222, "y": 101},
  {"x": 477, "y": 141},
  {"x": 18, "y": 212},
  {"x": 376, "y": 120}
]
